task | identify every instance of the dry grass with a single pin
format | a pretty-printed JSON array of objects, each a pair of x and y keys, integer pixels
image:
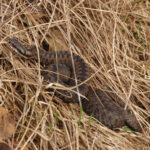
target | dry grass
[{"x": 112, "y": 37}]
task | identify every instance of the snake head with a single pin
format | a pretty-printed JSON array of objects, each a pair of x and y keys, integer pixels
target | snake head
[{"x": 19, "y": 47}]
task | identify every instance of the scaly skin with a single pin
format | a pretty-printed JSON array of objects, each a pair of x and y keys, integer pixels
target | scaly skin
[
  {"x": 63, "y": 67},
  {"x": 103, "y": 108},
  {"x": 58, "y": 60}
]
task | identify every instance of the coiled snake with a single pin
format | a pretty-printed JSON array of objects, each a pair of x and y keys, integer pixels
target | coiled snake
[{"x": 64, "y": 67}]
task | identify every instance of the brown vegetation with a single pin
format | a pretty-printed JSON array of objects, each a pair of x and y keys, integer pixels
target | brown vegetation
[{"x": 111, "y": 36}]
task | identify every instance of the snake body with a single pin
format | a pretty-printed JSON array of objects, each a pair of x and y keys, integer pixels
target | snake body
[{"x": 71, "y": 70}]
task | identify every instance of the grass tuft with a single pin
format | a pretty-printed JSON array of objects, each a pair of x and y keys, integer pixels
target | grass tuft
[{"x": 113, "y": 37}]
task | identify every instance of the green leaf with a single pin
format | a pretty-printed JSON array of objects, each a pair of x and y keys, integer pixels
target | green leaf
[
  {"x": 56, "y": 118},
  {"x": 50, "y": 126},
  {"x": 90, "y": 118},
  {"x": 79, "y": 122},
  {"x": 127, "y": 128}
]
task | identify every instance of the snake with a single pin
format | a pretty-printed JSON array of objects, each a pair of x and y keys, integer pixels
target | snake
[{"x": 71, "y": 71}]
